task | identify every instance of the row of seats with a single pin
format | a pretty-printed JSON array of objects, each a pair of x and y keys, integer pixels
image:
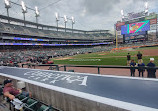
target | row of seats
[
  {"x": 50, "y": 33},
  {"x": 23, "y": 56},
  {"x": 29, "y": 104}
]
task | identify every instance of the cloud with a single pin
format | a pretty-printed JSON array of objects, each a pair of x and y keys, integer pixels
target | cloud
[
  {"x": 94, "y": 7},
  {"x": 89, "y": 14}
]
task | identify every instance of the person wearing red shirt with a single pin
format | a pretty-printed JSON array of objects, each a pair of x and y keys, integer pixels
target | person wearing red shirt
[{"x": 10, "y": 92}]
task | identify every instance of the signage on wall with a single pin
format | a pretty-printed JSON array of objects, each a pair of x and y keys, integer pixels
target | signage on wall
[
  {"x": 153, "y": 27},
  {"x": 153, "y": 21},
  {"x": 135, "y": 27},
  {"x": 153, "y": 16}
]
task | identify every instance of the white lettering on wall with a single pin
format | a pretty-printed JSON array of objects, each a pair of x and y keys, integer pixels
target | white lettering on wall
[{"x": 52, "y": 78}]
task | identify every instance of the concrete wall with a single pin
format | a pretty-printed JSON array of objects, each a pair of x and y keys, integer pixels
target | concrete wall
[{"x": 65, "y": 102}]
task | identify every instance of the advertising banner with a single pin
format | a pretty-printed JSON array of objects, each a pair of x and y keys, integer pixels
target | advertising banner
[
  {"x": 135, "y": 34},
  {"x": 131, "y": 16},
  {"x": 153, "y": 21},
  {"x": 118, "y": 32},
  {"x": 118, "y": 25},
  {"x": 135, "y": 20},
  {"x": 120, "y": 36},
  {"x": 153, "y": 27},
  {"x": 140, "y": 37},
  {"x": 135, "y": 27},
  {"x": 151, "y": 17}
]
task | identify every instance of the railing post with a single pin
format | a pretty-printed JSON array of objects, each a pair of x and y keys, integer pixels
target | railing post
[
  {"x": 64, "y": 68},
  {"x": 57, "y": 67},
  {"x": 98, "y": 70}
]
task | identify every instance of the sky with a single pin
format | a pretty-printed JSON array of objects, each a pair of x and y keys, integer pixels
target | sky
[{"x": 88, "y": 14}]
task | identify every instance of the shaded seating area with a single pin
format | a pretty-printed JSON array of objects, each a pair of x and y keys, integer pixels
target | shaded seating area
[
  {"x": 29, "y": 104},
  {"x": 26, "y": 103}
]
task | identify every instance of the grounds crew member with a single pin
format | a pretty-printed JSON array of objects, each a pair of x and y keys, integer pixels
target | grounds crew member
[
  {"x": 139, "y": 56},
  {"x": 128, "y": 59}
]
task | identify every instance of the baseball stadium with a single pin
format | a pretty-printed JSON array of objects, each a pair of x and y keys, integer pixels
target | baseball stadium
[{"x": 69, "y": 65}]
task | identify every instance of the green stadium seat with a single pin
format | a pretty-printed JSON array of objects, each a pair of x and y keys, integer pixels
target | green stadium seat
[
  {"x": 22, "y": 98},
  {"x": 43, "y": 108},
  {"x": 30, "y": 105}
]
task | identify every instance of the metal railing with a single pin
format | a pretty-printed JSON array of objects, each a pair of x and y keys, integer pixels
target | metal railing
[{"x": 57, "y": 67}]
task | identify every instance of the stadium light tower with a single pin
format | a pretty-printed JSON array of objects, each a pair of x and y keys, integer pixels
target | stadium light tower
[
  {"x": 24, "y": 10},
  {"x": 7, "y": 6},
  {"x": 73, "y": 22},
  {"x": 37, "y": 14},
  {"x": 146, "y": 7},
  {"x": 65, "y": 21},
  {"x": 57, "y": 19},
  {"x": 122, "y": 14}
]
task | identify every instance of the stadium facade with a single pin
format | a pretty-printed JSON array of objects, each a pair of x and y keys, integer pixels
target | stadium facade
[
  {"x": 16, "y": 33},
  {"x": 137, "y": 27}
]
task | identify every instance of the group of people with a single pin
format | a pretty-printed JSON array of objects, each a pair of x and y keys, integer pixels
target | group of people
[{"x": 141, "y": 66}]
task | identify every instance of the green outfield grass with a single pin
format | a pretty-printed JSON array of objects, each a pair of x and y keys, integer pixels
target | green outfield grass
[{"x": 106, "y": 58}]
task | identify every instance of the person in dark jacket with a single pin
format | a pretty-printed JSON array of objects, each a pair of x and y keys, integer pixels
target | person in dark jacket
[
  {"x": 132, "y": 69},
  {"x": 139, "y": 56},
  {"x": 141, "y": 69},
  {"x": 151, "y": 72},
  {"x": 128, "y": 59}
]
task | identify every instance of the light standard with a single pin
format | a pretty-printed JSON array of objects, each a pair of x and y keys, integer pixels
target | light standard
[
  {"x": 122, "y": 14},
  {"x": 24, "y": 10},
  {"x": 146, "y": 8},
  {"x": 7, "y": 6},
  {"x": 65, "y": 21},
  {"x": 37, "y": 14},
  {"x": 73, "y": 22},
  {"x": 57, "y": 19}
]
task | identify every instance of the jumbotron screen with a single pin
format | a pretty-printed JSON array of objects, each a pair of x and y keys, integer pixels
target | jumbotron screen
[{"x": 135, "y": 27}]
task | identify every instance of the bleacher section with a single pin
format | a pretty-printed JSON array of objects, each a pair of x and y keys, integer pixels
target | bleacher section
[{"x": 22, "y": 30}]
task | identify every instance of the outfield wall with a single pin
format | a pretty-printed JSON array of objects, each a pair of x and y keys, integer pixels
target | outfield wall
[{"x": 85, "y": 92}]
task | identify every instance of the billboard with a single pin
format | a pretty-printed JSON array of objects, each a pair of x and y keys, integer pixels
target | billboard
[
  {"x": 131, "y": 16},
  {"x": 135, "y": 20},
  {"x": 136, "y": 34},
  {"x": 135, "y": 38},
  {"x": 153, "y": 21},
  {"x": 135, "y": 27},
  {"x": 118, "y": 25},
  {"x": 118, "y": 32},
  {"x": 153, "y": 16},
  {"x": 153, "y": 27}
]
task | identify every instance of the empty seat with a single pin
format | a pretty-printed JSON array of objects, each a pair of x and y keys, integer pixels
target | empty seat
[
  {"x": 30, "y": 105},
  {"x": 43, "y": 108}
]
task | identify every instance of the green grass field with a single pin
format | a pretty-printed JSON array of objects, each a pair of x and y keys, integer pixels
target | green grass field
[{"x": 106, "y": 58}]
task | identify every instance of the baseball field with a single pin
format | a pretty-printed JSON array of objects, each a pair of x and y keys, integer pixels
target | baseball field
[{"x": 110, "y": 57}]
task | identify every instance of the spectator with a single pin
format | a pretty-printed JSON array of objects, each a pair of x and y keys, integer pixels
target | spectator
[
  {"x": 132, "y": 69},
  {"x": 139, "y": 56},
  {"x": 151, "y": 71},
  {"x": 141, "y": 67},
  {"x": 10, "y": 92},
  {"x": 128, "y": 59}
]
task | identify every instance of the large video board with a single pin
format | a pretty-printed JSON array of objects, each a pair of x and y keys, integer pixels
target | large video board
[{"x": 135, "y": 27}]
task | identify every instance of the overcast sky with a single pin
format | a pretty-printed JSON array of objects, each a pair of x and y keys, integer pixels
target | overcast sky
[{"x": 88, "y": 14}]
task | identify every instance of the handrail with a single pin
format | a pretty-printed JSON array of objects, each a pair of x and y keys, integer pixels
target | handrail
[
  {"x": 92, "y": 66},
  {"x": 123, "y": 67}
]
